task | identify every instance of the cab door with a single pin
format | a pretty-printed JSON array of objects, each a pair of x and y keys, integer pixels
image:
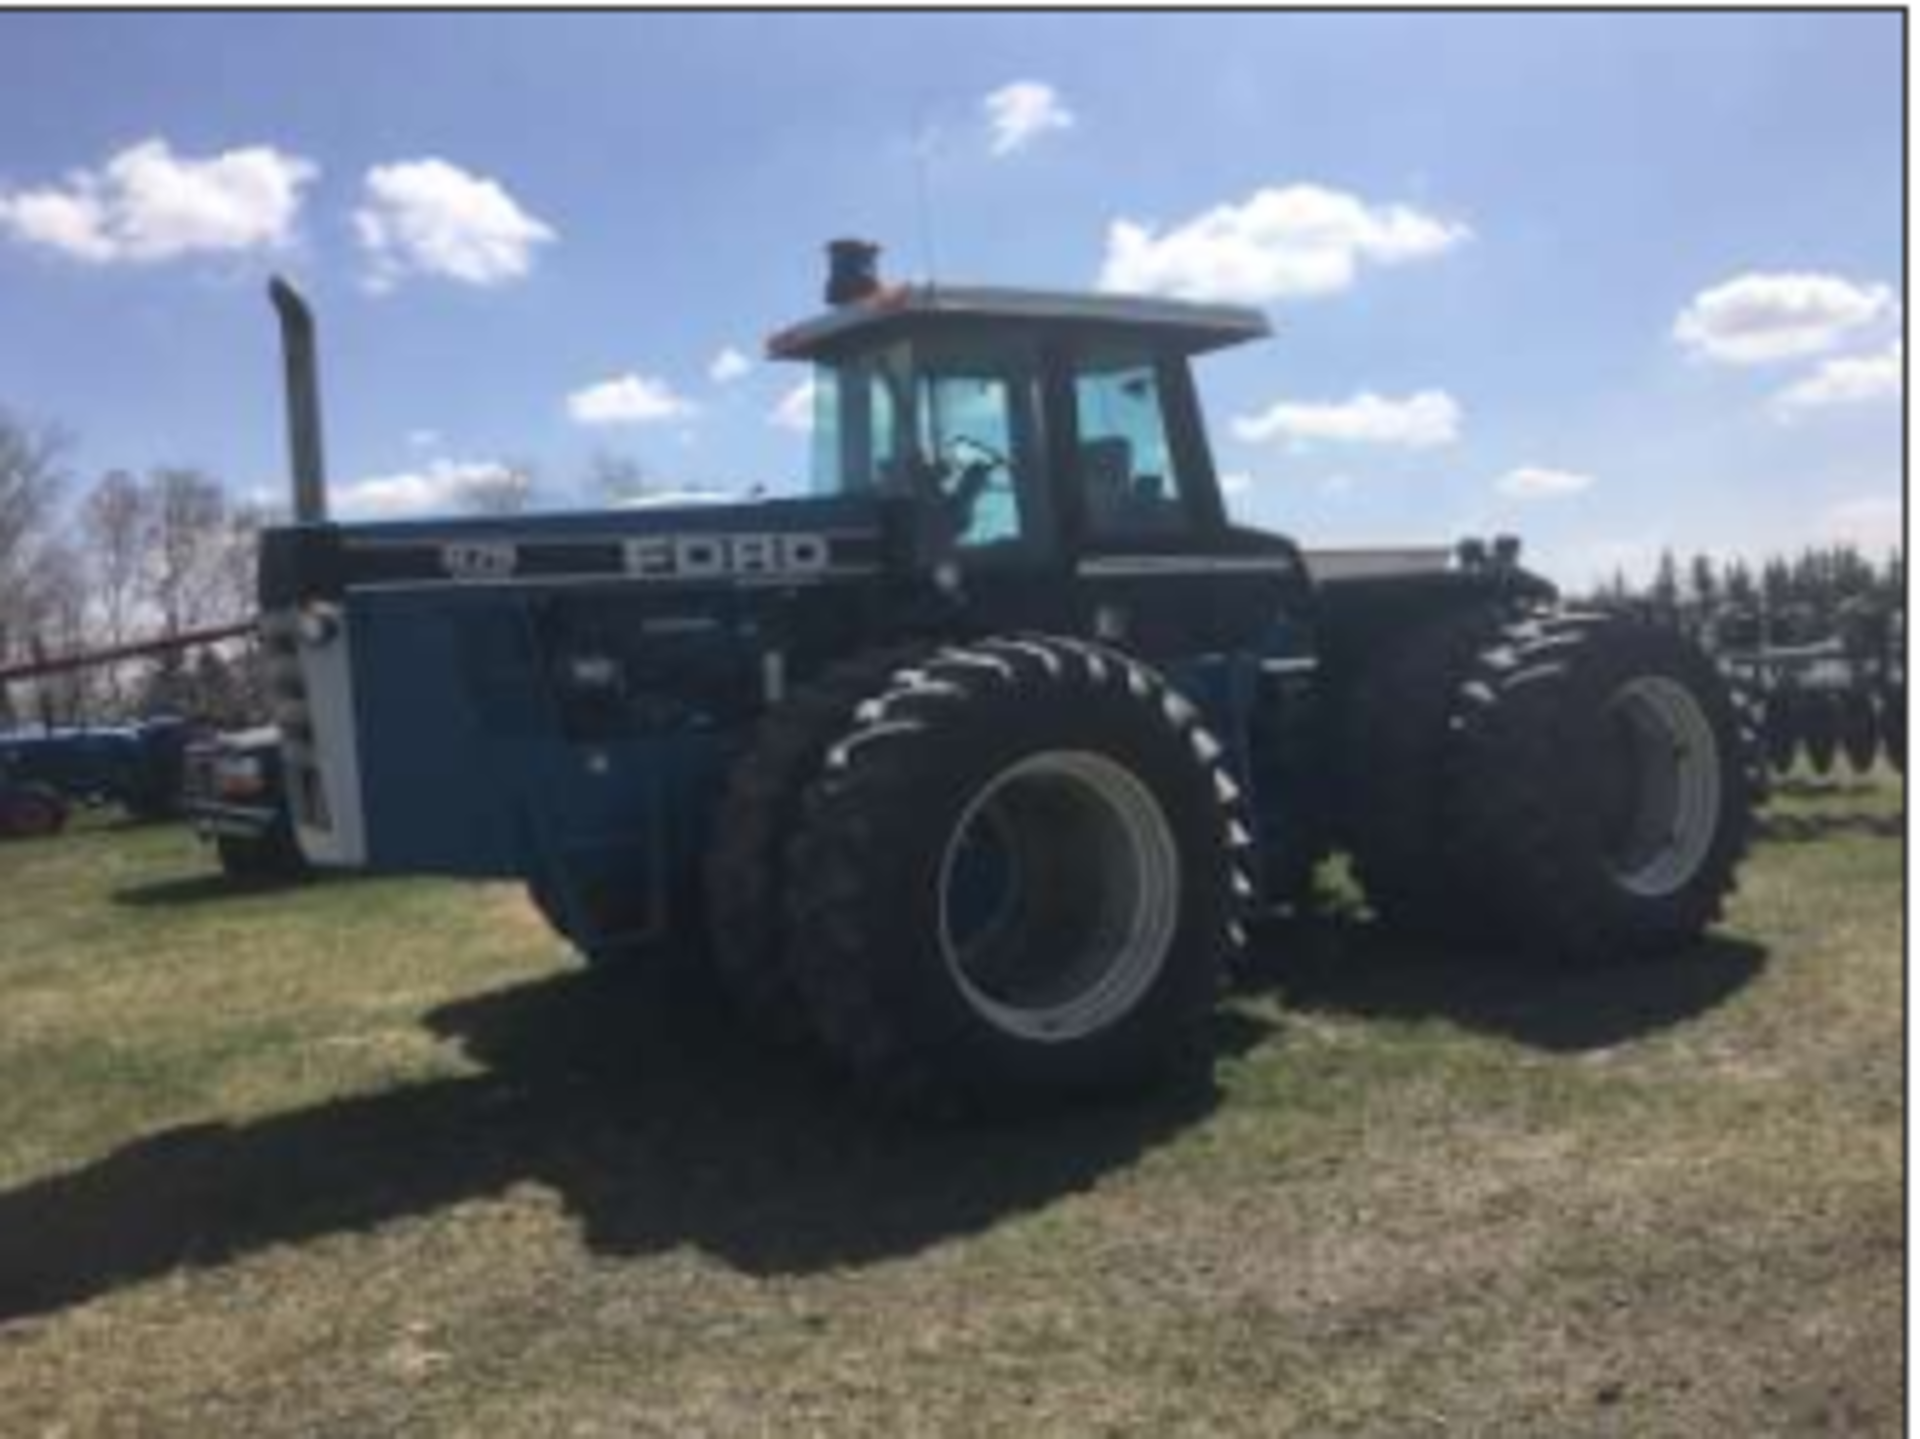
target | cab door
[
  {"x": 982, "y": 428},
  {"x": 1159, "y": 569}
]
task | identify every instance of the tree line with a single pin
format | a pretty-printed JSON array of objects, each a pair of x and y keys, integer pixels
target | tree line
[
  {"x": 1820, "y": 593},
  {"x": 85, "y": 565}
]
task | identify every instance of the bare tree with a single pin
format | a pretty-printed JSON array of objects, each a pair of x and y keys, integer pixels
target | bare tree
[
  {"x": 59, "y": 623},
  {"x": 187, "y": 538},
  {"x": 33, "y": 479},
  {"x": 114, "y": 522}
]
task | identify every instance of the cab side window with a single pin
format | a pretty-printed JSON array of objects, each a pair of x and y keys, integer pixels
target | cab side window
[
  {"x": 1130, "y": 488},
  {"x": 973, "y": 432}
]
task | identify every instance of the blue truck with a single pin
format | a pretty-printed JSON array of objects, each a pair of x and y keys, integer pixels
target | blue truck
[{"x": 971, "y": 765}]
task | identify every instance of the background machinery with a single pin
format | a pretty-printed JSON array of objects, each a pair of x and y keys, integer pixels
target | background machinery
[
  {"x": 971, "y": 765},
  {"x": 137, "y": 766}
]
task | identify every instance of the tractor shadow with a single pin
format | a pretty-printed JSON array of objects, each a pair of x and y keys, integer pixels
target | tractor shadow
[
  {"x": 658, "y": 1124},
  {"x": 1344, "y": 964},
  {"x": 1777, "y": 828},
  {"x": 1836, "y": 786},
  {"x": 186, "y": 891}
]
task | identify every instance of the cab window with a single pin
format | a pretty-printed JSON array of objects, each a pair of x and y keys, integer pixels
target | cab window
[
  {"x": 859, "y": 424},
  {"x": 973, "y": 436},
  {"x": 1130, "y": 485}
]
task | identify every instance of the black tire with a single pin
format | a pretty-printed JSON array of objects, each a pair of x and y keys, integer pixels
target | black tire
[
  {"x": 32, "y": 811},
  {"x": 271, "y": 857},
  {"x": 1586, "y": 845},
  {"x": 879, "y": 855},
  {"x": 1859, "y": 730},
  {"x": 1893, "y": 725},
  {"x": 1750, "y": 710},
  {"x": 1287, "y": 742},
  {"x": 1397, "y": 737},
  {"x": 1820, "y": 729},
  {"x": 606, "y": 904},
  {"x": 746, "y": 869},
  {"x": 1782, "y": 728}
]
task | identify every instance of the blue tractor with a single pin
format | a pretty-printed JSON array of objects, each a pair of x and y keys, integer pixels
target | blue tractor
[
  {"x": 972, "y": 765},
  {"x": 30, "y": 811},
  {"x": 137, "y": 767}
]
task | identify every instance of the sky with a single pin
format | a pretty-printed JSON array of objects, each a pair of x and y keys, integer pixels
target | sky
[{"x": 1608, "y": 282}]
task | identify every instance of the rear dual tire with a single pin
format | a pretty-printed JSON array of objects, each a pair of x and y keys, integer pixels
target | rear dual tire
[
  {"x": 1602, "y": 784},
  {"x": 1399, "y": 729}
]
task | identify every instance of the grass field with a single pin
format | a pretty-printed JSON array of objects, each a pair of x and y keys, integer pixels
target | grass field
[{"x": 372, "y": 1157}]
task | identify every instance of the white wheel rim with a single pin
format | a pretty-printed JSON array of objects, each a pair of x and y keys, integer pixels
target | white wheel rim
[
  {"x": 1674, "y": 805},
  {"x": 1116, "y": 870}
]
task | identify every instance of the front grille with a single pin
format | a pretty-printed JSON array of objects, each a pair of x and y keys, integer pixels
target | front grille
[
  {"x": 292, "y": 713},
  {"x": 197, "y": 775}
]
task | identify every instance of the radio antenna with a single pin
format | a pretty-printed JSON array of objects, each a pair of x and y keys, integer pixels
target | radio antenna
[{"x": 925, "y": 137}]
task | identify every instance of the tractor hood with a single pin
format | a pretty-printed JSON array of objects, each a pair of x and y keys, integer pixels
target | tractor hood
[{"x": 780, "y": 544}]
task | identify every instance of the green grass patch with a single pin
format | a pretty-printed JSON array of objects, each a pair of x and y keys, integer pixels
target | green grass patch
[{"x": 365, "y": 1157}]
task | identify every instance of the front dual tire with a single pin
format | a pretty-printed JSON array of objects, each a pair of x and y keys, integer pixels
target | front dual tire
[{"x": 1012, "y": 876}]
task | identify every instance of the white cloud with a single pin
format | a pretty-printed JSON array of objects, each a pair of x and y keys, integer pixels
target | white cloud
[
  {"x": 1294, "y": 242},
  {"x": 1758, "y": 319},
  {"x": 443, "y": 487},
  {"x": 795, "y": 410},
  {"x": 147, "y": 204},
  {"x": 1875, "y": 523},
  {"x": 1020, "y": 113},
  {"x": 424, "y": 439},
  {"x": 1848, "y": 380},
  {"x": 628, "y": 400},
  {"x": 429, "y": 217},
  {"x": 1236, "y": 482},
  {"x": 1423, "y": 421},
  {"x": 729, "y": 365},
  {"x": 1537, "y": 482}
]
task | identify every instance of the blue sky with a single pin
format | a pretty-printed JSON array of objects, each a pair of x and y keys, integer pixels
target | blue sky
[{"x": 1605, "y": 281}]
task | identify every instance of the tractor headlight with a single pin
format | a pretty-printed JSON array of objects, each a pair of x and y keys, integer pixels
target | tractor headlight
[
  {"x": 318, "y": 626},
  {"x": 239, "y": 777}
]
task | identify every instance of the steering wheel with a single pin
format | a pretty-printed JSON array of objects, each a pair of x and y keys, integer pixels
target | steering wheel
[
  {"x": 970, "y": 477},
  {"x": 984, "y": 454}
]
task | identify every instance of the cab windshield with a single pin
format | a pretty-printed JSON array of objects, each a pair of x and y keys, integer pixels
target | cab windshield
[{"x": 862, "y": 427}]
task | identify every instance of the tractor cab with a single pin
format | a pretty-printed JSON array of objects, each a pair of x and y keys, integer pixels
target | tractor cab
[{"x": 1038, "y": 439}]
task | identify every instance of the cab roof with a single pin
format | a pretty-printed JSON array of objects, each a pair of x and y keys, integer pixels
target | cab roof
[{"x": 902, "y": 309}]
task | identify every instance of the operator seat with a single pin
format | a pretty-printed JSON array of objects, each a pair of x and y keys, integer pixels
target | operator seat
[{"x": 1106, "y": 483}]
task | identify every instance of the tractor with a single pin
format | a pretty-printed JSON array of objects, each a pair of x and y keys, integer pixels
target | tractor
[
  {"x": 134, "y": 766},
  {"x": 972, "y": 764}
]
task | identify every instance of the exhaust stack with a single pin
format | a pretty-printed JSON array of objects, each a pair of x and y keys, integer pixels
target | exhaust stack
[
  {"x": 303, "y": 402},
  {"x": 853, "y": 272}
]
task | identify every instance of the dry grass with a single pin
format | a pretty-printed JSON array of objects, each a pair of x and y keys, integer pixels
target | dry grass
[{"x": 370, "y": 1158}]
